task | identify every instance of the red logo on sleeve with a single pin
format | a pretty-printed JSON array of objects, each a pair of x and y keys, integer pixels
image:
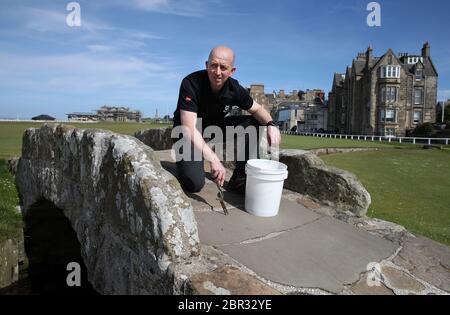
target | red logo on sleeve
[{"x": 188, "y": 98}]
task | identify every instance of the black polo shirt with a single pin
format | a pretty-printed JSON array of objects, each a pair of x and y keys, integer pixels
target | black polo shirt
[{"x": 197, "y": 96}]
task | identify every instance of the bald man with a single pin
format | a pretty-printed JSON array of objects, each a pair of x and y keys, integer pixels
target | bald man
[{"x": 211, "y": 94}]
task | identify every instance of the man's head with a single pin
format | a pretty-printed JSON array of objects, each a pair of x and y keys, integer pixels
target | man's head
[{"x": 220, "y": 66}]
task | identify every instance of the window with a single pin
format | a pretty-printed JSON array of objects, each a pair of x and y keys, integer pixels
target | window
[
  {"x": 418, "y": 96},
  {"x": 388, "y": 115},
  {"x": 414, "y": 60},
  {"x": 419, "y": 74},
  {"x": 390, "y": 72},
  {"x": 390, "y": 132},
  {"x": 417, "y": 117},
  {"x": 391, "y": 94},
  {"x": 388, "y": 94}
]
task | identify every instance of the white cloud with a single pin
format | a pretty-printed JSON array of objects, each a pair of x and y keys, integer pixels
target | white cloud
[
  {"x": 82, "y": 73},
  {"x": 39, "y": 23},
  {"x": 176, "y": 7},
  {"x": 46, "y": 20}
]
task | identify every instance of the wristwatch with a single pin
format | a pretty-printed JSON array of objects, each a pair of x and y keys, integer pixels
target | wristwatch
[{"x": 271, "y": 123}]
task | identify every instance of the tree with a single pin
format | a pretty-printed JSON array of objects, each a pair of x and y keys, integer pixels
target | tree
[
  {"x": 446, "y": 113},
  {"x": 424, "y": 130}
]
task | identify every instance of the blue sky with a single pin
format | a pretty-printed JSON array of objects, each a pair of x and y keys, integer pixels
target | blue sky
[{"x": 135, "y": 53}]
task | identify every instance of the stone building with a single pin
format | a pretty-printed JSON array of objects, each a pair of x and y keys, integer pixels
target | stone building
[
  {"x": 306, "y": 114},
  {"x": 82, "y": 117},
  {"x": 108, "y": 113},
  {"x": 257, "y": 93},
  {"x": 119, "y": 114},
  {"x": 388, "y": 95}
]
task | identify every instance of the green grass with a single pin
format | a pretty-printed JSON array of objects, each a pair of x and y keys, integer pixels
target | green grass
[
  {"x": 310, "y": 143},
  {"x": 10, "y": 219},
  {"x": 408, "y": 187},
  {"x": 11, "y": 133}
]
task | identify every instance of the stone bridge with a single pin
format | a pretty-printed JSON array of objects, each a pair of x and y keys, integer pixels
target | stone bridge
[
  {"x": 112, "y": 204},
  {"x": 131, "y": 218}
]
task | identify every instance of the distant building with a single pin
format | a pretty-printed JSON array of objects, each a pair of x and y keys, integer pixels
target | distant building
[
  {"x": 303, "y": 111},
  {"x": 118, "y": 114},
  {"x": 257, "y": 93},
  {"x": 388, "y": 95},
  {"x": 82, "y": 117},
  {"x": 43, "y": 117},
  {"x": 302, "y": 116},
  {"x": 108, "y": 113},
  {"x": 306, "y": 111}
]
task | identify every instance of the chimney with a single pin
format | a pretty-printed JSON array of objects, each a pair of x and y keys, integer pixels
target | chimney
[
  {"x": 369, "y": 55},
  {"x": 426, "y": 50}
]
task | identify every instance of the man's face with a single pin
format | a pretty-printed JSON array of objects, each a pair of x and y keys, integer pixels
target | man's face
[{"x": 220, "y": 68}]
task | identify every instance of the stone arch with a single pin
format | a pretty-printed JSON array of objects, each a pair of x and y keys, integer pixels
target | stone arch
[{"x": 51, "y": 244}]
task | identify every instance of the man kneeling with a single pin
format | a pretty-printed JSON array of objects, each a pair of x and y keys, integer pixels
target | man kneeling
[{"x": 210, "y": 95}]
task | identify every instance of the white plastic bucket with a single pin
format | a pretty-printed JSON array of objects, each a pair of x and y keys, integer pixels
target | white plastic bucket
[{"x": 265, "y": 179}]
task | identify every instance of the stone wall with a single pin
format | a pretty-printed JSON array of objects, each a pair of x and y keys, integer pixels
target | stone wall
[
  {"x": 157, "y": 139},
  {"x": 130, "y": 216},
  {"x": 310, "y": 176},
  {"x": 9, "y": 262}
]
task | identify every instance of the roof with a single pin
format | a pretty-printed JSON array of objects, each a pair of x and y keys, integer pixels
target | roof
[
  {"x": 339, "y": 79},
  {"x": 82, "y": 114},
  {"x": 358, "y": 66}
]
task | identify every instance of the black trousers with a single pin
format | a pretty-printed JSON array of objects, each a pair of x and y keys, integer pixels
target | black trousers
[{"x": 192, "y": 173}]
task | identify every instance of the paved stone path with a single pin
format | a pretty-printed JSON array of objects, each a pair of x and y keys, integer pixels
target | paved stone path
[{"x": 309, "y": 248}]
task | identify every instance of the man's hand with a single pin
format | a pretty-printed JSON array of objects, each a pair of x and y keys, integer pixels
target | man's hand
[
  {"x": 273, "y": 136},
  {"x": 218, "y": 172}
]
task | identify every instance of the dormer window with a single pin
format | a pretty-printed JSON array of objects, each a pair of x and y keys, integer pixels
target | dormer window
[
  {"x": 414, "y": 60},
  {"x": 419, "y": 74},
  {"x": 390, "y": 72}
]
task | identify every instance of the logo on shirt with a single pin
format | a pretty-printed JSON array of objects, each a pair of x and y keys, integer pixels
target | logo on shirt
[
  {"x": 229, "y": 108},
  {"x": 188, "y": 98}
]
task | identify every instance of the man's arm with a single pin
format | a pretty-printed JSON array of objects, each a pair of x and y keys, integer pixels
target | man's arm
[
  {"x": 264, "y": 117},
  {"x": 189, "y": 120}
]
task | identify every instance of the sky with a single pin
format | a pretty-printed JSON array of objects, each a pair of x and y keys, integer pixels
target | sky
[{"x": 135, "y": 53}]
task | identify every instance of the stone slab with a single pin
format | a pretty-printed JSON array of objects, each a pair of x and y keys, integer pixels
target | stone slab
[
  {"x": 400, "y": 280},
  {"x": 427, "y": 260},
  {"x": 239, "y": 226},
  {"x": 228, "y": 280},
  {"x": 325, "y": 254},
  {"x": 362, "y": 288}
]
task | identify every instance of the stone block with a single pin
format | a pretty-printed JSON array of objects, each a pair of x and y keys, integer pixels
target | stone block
[
  {"x": 308, "y": 175},
  {"x": 228, "y": 280}
]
